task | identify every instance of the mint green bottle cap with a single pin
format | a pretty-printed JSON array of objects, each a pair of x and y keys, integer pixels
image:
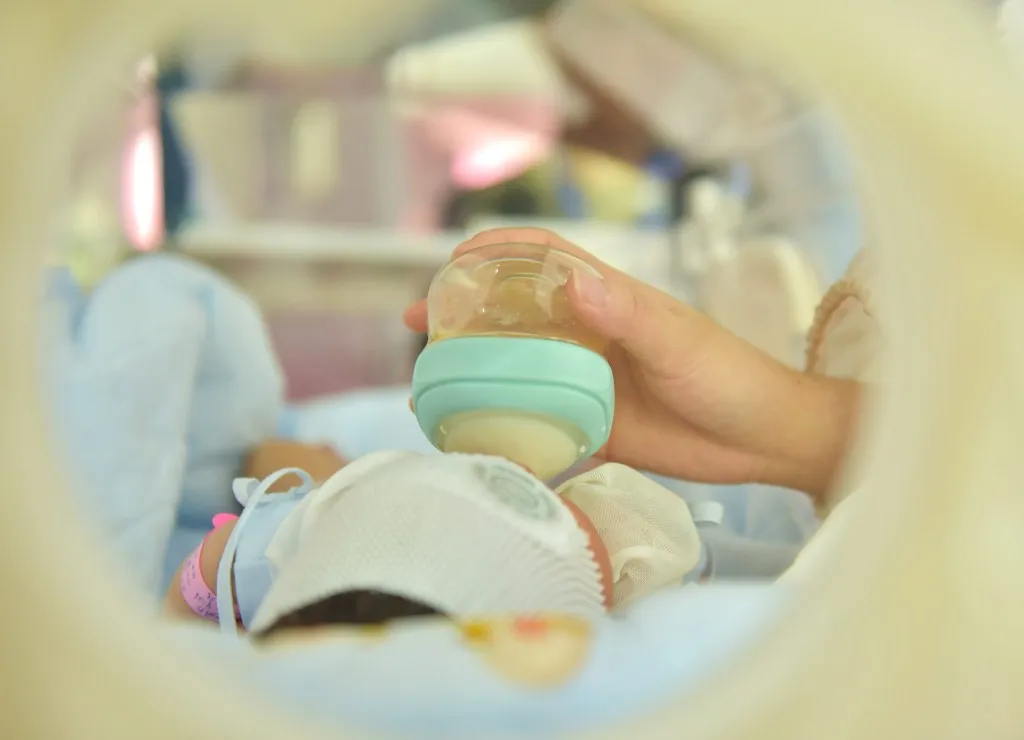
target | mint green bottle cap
[{"x": 548, "y": 379}]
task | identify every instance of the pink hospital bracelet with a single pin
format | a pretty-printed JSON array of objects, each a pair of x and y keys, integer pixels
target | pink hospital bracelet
[{"x": 199, "y": 597}]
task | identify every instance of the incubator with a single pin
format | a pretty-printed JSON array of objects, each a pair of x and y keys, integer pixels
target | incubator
[
  {"x": 509, "y": 369},
  {"x": 899, "y": 638}
]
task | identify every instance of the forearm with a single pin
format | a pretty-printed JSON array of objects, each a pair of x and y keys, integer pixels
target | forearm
[{"x": 818, "y": 419}]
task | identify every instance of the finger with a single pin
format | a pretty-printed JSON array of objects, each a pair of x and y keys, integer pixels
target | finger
[
  {"x": 526, "y": 235},
  {"x": 511, "y": 235},
  {"x": 655, "y": 328},
  {"x": 415, "y": 317},
  {"x": 658, "y": 331}
]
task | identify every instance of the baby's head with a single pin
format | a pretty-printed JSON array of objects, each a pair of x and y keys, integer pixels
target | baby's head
[{"x": 451, "y": 535}]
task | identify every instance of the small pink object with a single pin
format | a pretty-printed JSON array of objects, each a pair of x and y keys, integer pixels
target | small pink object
[
  {"x": 197, "y": 594},
  {"x": 200, "y": 598},
  {"x": 221, "y": 519}
]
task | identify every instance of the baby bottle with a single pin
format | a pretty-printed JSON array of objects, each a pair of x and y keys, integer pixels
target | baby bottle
[{"x": 509, "y": 369}]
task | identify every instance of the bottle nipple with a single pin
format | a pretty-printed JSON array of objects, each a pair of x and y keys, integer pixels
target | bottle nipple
[{"x": 543, "y": 445}]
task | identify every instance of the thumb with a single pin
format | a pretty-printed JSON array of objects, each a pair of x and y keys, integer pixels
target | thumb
[{"x": 657, "y": 330}]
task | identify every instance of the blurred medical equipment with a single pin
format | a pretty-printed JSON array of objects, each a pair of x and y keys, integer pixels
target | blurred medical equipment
[
  {"x": 509, "y": 369},
  {"x": 755, "y": 246},
  {"x": 323, "y": 197},
  {"x": 710, "y": 109},
  {"x": 755, "y": 258},
  {"x": 762, "y": 287},
  {"x": 111, "y": 191},
  {"x": 320, "y": 192},
  {"x": 696, "y": 104}
]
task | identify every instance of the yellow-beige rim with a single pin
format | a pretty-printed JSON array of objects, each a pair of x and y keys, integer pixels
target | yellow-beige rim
[{"x": 915, "y": 631}]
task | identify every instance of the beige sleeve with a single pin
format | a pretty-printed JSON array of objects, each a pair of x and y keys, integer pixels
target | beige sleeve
[{"x": 846, "y": 338}]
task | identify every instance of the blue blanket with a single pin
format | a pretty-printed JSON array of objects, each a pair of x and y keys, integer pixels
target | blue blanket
[{"x": 162, "y": 379}]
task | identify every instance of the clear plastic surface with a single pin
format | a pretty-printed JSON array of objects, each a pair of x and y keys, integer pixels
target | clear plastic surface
[{"x": 515, "y": 290}]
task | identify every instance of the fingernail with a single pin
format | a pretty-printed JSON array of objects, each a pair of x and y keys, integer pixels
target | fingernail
[{"x": 591, "y": 290}]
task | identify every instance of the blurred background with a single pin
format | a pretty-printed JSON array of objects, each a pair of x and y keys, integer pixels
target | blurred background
[
  {"x": 331, "y": 193},
  {"x": 243, "y": 227}
]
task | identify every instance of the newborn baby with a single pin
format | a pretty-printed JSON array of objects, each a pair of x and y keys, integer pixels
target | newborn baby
[{"x": 400, "y": 534}]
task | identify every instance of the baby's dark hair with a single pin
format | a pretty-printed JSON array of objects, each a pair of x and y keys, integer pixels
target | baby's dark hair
[{"x": 363, "y": 608}]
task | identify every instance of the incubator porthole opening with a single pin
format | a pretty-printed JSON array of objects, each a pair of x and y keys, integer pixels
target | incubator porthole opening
[{"x": 826, "y": 643}]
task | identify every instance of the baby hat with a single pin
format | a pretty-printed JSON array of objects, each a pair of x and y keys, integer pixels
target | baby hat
[
  {"x": 297, "y": 524},
  {"x": 648, "y": 530},
  {"x": 465, "y": 534}
]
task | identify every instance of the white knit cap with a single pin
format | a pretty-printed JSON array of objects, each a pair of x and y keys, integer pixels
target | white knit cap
[
  {"x": 296, "y": 526},
  {"x": 465, "y": 534},
  {"x": 648, "y": 530}
]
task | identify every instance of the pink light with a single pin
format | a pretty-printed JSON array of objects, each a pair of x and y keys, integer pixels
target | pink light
[
  {"x": 142, "y": 213},
  {"x": 142, "y": 192},
  {"x": 496, "y": 160}
]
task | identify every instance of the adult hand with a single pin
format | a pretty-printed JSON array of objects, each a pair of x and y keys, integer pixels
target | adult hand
[{"x": 692, "y": 400}]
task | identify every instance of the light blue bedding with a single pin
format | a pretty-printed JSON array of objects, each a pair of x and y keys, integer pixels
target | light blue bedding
[
  {"x": 427, "y": 682},
  {"x": 162, "y": 379},
  {"x": 358, "y": 423}
]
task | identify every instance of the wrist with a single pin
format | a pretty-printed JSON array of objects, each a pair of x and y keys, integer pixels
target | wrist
[{"x": 816, "y": 427}]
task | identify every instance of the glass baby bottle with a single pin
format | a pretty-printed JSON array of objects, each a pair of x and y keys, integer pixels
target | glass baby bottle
[{"x": 509, "y": 369}]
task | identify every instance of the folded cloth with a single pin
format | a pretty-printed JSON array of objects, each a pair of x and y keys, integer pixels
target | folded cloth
[
  {"x": 120, "y": 367},
  {"x": 647, "y": 529}
]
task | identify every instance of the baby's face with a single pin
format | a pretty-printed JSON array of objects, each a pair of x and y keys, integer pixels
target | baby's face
[
  {"x": 597, "y": 546},
  {"x": 598, "y": 549}
]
